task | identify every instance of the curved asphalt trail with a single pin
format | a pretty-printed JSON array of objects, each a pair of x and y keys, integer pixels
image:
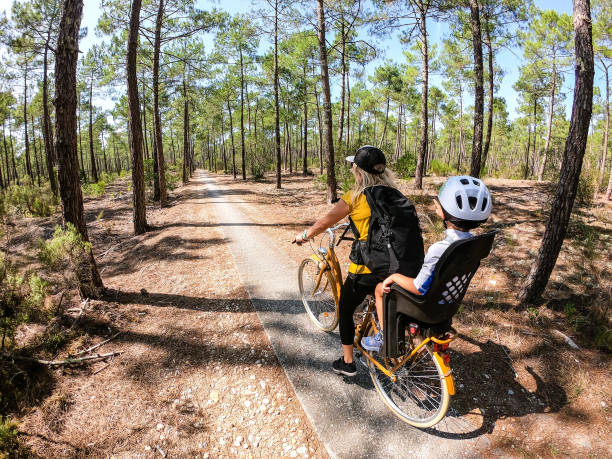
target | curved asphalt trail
[{"x": 347, "y": 413}]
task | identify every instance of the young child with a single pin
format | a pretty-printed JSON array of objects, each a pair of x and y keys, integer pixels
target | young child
[{"x": 463, "y": 203}]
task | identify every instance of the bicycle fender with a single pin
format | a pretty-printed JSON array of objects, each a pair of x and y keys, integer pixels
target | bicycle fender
[{"x": 448, "y": 374}]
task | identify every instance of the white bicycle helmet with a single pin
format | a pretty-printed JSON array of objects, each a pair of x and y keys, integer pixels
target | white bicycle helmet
[{"x": 465, "y": 199}]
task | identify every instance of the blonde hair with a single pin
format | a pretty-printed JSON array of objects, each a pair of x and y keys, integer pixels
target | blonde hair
[{"x": 387, "y": 178}]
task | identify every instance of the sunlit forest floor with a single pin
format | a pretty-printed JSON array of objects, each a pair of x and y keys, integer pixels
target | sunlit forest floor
[{"x": 198, "y": 376}]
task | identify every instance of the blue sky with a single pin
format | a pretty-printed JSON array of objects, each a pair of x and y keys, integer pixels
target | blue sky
[{"x": 509, "y": 60}]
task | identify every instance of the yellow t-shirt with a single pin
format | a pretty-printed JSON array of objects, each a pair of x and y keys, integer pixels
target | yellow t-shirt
[{"x": 360, "y": 213}]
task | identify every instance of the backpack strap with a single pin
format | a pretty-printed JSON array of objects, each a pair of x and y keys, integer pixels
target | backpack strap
[
  {"x": 354, "y": 228},
  {"x": 386, "y": 231}
]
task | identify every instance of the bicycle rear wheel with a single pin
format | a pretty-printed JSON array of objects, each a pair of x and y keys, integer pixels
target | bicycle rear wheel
[
  {"x": 419, "y": 396},
  {"x": 317, "y": 295}
]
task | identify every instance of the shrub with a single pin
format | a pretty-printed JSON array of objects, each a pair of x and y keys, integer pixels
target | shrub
[
  {"x": 18, "y": 298},
  {"x": 67, "y": 249},
  {"x": 29, "y": 200},
  {"x": 441, "y": 169},
  {"x": 586, "y": 189},
  {"x": 405, "y": 166},
  {"x": 9, "y": 441},
  {"x": 94, "y": 189}
]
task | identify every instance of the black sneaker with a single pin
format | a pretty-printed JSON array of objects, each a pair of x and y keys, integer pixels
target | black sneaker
[{"x": 347, "y": 369}]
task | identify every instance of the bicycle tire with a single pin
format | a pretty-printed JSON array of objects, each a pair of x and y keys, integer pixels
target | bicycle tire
[
  {"x": 320, "y": 304},
  {"x": 419, "y": 396}
]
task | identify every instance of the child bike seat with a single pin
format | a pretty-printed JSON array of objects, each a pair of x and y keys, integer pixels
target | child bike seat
[{"x": 452, "y": 276}]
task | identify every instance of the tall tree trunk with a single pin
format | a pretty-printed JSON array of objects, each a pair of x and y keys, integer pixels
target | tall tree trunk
[
  {"x": 144, "y": 116},
  {"x": 327, "y": 106},
  {"x": 348, "y": 109},
  {"x": 49, "y": 154},
  {"x": 526, "y": 174},
  {"x": 343, "y": 86},
  {"x": 487, "y": 142},
  {"x": 65, "y": 128},
  {"x": 15, "y": 174},
  {"x": 186, "y": 140},
  {"x": 535, "y": 136},
  {"x": 551, "y": 109},
  {"x": 320, "y": 130},
  {"x": 460, "y": 152},
  {"x": 35, "y": 154},
  {"x": 305, "y": 136},
  {"x": 478, "y": 90},
  {"x": 82, "y": 163},
  {"x": 242, "y": 146},
  {"x": 135, "y": 125},
  {"x": 418, "y": 179},
  {"x": 384, "y": 132},
  {"x": 6, "y": 156},
  {"x": 277, "y": 147},
  {"x": 573, "y": 155},
  {"x": 94, "y": 169},
  {"x": 159, "y": 144},
  {"x": 225, "y": 171},
  {"x": 229, "y": 109},
  {"x": 25, "y": 125},
  {"x": 602, "y": 169}
]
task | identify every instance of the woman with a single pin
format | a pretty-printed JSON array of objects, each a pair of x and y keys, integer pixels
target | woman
[{"x": 369, "y": 169}]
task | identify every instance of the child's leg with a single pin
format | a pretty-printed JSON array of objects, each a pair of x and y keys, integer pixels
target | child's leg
[{"x": 378, "y": 295}]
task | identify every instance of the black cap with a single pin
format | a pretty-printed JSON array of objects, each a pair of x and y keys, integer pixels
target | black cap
[{"x": 370, "y": 159}]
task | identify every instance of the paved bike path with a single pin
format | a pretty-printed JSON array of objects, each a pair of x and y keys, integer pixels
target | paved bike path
[{"x": 347, "y": 413}]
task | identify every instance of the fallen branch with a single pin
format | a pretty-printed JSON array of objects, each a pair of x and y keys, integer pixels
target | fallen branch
[
  {"x": 83, "y": 306},
  {"x": 87, "y": 351},
  {"x": 100, "y": 369},
  {"x": 567, "y": 339},
  {"x": 69, "y": 361}
]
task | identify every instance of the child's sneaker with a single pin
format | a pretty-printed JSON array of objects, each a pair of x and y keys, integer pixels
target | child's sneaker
[
  {"x": 372, "y": 343},
  {"x": 348, "y": 369}
]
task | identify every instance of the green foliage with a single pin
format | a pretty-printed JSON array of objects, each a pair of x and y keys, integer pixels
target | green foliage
[
  {"x": 258, "y": 164},
  {"x": 173, "y": 174},
  {"x": 405, "y": 167},
  {"x": 18, "y": 299},
  {"x": 149, "y": 173},
  {"x": 69, "y": 255},
  {"x": 55, "y": 340},
  {"x": 94, "y": 189},
  {"x": 586, "y": 189},
  {"x": 28, "y": 200},
  {"x": 321, "y": 181},
  {"x": 9, "y": 441},
  {"x": 441, "y": 169}
]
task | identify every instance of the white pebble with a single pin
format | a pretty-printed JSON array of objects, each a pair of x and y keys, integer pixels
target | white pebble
[{"x": 160, "y": 426}]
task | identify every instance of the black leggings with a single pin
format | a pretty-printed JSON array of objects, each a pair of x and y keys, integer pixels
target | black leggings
[{"x": 354, "y": 290}]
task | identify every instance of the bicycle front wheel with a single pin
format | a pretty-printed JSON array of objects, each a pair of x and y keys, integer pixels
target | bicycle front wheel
[
  {"x": 316, "y": 284},
  {"x": 419, "y": 395}
]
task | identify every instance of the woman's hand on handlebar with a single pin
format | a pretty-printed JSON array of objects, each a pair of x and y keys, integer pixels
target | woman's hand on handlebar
[{"x": 300, "y": 238}]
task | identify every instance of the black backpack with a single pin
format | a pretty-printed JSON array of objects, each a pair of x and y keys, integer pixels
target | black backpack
[{"x": 394, "y": 242}]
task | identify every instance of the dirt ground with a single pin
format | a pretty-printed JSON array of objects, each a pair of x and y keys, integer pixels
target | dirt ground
[{"x": 198, "y": 378}]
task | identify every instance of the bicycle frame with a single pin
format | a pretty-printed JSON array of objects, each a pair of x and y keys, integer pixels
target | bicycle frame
[
  {"x": 327, "y": 256},
  {"x": 390, "y": 370}
]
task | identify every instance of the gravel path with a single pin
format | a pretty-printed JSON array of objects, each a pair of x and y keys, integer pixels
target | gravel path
[{"x": 347, "y": 413}]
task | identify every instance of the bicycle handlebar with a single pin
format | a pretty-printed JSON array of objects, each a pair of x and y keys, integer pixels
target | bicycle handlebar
[{"x": 332, "y": 235}]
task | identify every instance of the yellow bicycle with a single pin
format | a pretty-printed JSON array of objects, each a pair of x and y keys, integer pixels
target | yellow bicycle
[{"x": 412, "y": 372}]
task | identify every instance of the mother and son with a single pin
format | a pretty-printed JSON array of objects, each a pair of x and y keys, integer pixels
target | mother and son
[{"x": 463, "y": 203}]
